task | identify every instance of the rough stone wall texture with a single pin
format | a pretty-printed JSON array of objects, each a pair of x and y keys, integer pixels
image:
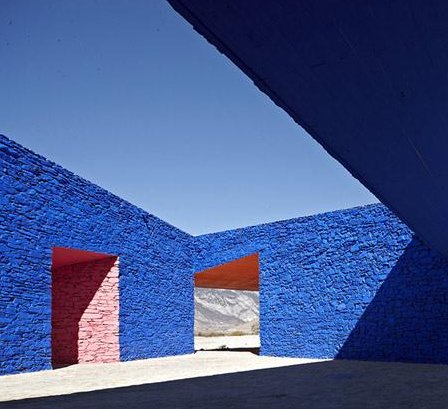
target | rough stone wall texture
[
  {"x": 45, "y": 206},
  {"x": 347, "y": 284},
  {"x": 85, "y": 307}
]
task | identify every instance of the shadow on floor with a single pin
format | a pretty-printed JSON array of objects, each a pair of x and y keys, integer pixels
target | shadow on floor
[{"x": 333, "y": 384}]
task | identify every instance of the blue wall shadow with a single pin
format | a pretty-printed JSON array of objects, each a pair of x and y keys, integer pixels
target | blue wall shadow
[{"x": 407, "y": 320}]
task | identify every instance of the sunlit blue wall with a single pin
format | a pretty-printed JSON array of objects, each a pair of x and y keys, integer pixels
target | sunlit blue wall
[
  {"x": 351, "y": 284},
  {"x": 43, "y": 206}
]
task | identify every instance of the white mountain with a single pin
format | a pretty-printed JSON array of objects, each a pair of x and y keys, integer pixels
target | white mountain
[{"x": 225, "y": 312}]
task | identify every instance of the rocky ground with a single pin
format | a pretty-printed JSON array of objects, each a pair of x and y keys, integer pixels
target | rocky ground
[
  {"x": 226, "y": 312},
  {"x": 250, "y": 343}
]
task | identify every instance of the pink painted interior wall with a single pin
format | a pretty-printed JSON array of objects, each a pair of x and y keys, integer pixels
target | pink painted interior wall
[{"x": 85, "y": 307}]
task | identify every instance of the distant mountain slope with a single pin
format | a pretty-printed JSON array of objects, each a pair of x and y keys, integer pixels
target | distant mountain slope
[{"x": 221, "y": 312}]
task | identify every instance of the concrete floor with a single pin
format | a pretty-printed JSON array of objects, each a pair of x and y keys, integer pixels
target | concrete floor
[
  {"x": 90, "y": 377},
  {"x": 230, "y": 379}
]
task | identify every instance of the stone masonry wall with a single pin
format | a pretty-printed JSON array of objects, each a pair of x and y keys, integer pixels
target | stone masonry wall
[
  {"x": 45, "y": 206},
  {"x": 85, "y": 306},
  {"x": 351, "y": 284}
]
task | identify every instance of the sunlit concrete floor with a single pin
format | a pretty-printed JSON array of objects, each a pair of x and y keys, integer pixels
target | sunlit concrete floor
[
  {"x": 231, "y": 379},
  {"x": 89, "y": 377}
]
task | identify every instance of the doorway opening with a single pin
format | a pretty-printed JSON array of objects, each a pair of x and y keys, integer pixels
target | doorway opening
[
  {"x": 227, "y": 306},
  {"x": 85, "y": 307}
]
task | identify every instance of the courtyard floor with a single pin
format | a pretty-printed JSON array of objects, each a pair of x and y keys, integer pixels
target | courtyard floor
[{"x": 230, "y": 378}]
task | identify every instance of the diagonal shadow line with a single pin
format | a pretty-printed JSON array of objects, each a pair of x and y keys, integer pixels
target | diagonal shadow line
[
  {"x": 335, "y": 384},
  {"x": 407, "y": 319},
  {"x": 65, "y": 320}
]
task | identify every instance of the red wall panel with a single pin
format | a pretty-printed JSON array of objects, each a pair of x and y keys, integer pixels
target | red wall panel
[{"x": 85, "y": 303}]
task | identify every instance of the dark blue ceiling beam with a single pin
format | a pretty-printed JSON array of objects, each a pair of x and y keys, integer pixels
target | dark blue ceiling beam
[{"x": 367, "y": 79}]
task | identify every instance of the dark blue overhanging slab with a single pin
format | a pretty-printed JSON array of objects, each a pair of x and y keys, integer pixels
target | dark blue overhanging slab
[{"x": 367, "y": 79}]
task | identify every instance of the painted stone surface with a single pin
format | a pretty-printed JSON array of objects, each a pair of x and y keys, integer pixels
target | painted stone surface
[
  {"x": 85, "y": 306},
  {"x": 45, "y": 206},
  {"x": 351, "y": 284}
]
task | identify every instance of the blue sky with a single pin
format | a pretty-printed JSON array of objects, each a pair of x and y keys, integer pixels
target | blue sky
[{"x": 128, "y": 96}]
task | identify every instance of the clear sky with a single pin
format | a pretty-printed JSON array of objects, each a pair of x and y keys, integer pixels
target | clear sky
[{"x": 127, "y": 95}]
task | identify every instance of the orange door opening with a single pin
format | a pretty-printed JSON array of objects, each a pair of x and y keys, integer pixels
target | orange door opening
[
  {"x": 227, "y": 306},
  {"x": 239, "y": 274}
]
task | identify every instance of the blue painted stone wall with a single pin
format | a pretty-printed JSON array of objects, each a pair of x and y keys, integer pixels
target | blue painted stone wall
[
  {"x": 350, "y": 284},
  {"x": 353, "y": 284},
  {"x": 43, "y": 205}
]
